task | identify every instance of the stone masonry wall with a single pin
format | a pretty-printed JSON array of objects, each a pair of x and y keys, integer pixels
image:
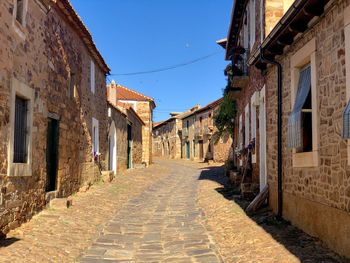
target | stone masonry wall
[
  {"x": 327, "y": 186},
  {"x": 136, "y": 134},
  {"x": 41, "y": 55},
  {"x": 120, "y": 123},
  {"x": 144, "y": 110}
]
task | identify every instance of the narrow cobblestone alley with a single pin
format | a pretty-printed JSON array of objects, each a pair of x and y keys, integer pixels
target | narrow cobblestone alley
[{"x": 173, "y": 211}]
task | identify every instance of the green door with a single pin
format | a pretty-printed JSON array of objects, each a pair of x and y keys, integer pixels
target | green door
[
  {"x": 129, "y": 151},
  {"x": 187, "y": 150},
  {"x": 52, "y": 154}
]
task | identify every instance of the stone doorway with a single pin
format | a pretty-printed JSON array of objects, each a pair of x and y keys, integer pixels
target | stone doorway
[{"x": 52, "y": 154}]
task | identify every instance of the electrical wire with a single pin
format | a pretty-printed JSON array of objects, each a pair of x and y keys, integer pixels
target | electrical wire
[{"x": 168, "y": 67}]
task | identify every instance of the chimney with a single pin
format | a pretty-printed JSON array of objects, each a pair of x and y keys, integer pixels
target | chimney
[{"x": 112, "y": 93}]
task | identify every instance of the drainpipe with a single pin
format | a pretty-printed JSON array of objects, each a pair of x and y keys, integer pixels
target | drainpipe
[{"x": 279, "y": 130}]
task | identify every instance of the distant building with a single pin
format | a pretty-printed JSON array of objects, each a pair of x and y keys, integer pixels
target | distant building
[{"x": 143, "y": 106}]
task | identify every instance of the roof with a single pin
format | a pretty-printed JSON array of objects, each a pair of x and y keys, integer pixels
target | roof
[
  {"x": 209, "y": 106},
  {"x": 124, "y": 93},
  {"x": 74, "y": 19},
  {"x": 222, "y": 42},
  {"x": 116, "y": 108},
  {"x": 295, "y": 21},
  {"x": 125, "y": 107}
]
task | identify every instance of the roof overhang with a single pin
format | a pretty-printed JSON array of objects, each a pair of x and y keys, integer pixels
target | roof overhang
[
  {"x": 235, "y": 25},
  {"x": 295, "y": 21}
]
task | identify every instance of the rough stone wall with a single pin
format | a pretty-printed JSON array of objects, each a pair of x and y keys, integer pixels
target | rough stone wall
[
  {"x": 40, "y": 56},
  {"x": 326, "y": 186},
  {"x": 145, "y": 111},
  {"x": 190, "y": 138},
  {"x": 136, "y": 134},
  {"x": 120, "y": 123},
  {"x": 165, "y": 144},
  {"x": 274, "y": 10}
]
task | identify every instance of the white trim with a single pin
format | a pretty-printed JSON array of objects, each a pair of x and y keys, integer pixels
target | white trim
[
  {"x": 95, "y": 137},
  {"x": 18, "y": 26},
  {"x": 253, "y": 103},
  {"x": 112, "y": 148},
  {"x": 92, "y": 77},
  {"x": 252, "y": 23},
  {"x": 20, "y": 169},
  {"x": 246, "y": 126}
]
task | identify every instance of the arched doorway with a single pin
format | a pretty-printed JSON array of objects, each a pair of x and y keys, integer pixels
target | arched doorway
[{"x": 112, "y": 146}]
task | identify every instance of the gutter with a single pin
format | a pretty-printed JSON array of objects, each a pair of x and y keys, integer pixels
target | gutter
[
  {"x": 279, "y": 131},
  {"x": 292, "y": 11}
]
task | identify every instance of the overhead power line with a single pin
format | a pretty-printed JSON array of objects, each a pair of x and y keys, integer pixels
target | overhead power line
[{"x": 168, "y": 67}]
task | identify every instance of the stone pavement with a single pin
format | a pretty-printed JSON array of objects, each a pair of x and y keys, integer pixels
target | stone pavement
[
  {"x": 163, "y": 224},
  {"x": 58, "y": 234},
  {"x": 259, "y": 238},
  {"x": 173, "y": 211}
]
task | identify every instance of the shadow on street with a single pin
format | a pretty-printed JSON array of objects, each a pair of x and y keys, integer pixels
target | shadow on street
[{"x": 303, "y": 246}]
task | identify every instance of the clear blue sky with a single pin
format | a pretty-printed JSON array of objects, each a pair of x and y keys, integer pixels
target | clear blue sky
[{"x": 140, "y": 35}]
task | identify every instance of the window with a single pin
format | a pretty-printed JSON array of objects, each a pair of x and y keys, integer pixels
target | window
[
  {"x": 20, "y": 10},
  {"x": 252, "y": 23},
  {"x": 246, "y": 126},
  {"x": 240, "y": 133},
  {"x": 92, "y": 76},
  {"x": 20, "y": 150},
  {"x": 302, "y": 128},
  {"x": 95, "y": 137},
  {"x": 300, "y": 121},
  {"x": 21, "y": 125},
  {"x": 71, "y": 85},
  {"x": 253, "y": 119}
]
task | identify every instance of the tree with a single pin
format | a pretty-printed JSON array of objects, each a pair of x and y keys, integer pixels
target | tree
[{"x": 224, "y": 118}]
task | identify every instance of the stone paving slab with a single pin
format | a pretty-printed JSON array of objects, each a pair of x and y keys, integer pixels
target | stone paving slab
[
  {"x": 259, "y": 238},
  {"x": 60, "y": 235},
  {"x": 163, "y": 224}
]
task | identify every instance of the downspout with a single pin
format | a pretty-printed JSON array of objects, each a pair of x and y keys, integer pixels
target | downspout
[{"x": 279, "y": 130}]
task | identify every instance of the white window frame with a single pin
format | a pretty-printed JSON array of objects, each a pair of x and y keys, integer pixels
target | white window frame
[
  {"x": 306, "y": 55},
  {"x": 92, "y": 77},
  {"x": 347, "y": 61},
  {"x": 95, "y": 137},
  {"x": 246, "y": 126},
  {"x": 254, "y": 103},
  {"x": 252, "y": 23},
  {"x": 20, "y": 169},
  {"x": 17, "y": 25}
]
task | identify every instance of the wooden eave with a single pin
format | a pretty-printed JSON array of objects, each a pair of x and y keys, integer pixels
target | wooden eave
[
  {"x": 235, "y": 25},
  {"x": 295, "y": 21}
]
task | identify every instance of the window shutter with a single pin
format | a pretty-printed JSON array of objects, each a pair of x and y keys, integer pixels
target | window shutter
[
  {"x": 346, "y": 122},
  {"x": 294, "y": 131}
]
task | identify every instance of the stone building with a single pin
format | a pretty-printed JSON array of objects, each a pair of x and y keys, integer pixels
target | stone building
[
  {"x": 167, "y": 136},
  {"x": 53, "y": 109},
  {"x": 251, "y": 21},
  {"x": 124, "y": 138},
  {"x": 309, "y": 151},
  {"x": 143, "y": 106},
  {"x": 206, "y": 146}
]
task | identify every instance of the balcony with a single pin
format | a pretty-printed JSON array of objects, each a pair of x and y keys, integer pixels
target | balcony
[
  {"x": 208, "y": 130},
  {"x": 184, "y": 132},
  {"x": 198, "y": 133},
  {"x": 237, "y": 71}
]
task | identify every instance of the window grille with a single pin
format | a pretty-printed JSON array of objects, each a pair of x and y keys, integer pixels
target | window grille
[
  {"x": 294, "y": 131},
  {"x": 346, "y": 122},
  {"x": 20, "y": 131},
  {"x": 20, "y": 11}
]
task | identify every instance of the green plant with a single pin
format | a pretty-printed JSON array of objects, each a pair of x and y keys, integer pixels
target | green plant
[{"x": 224, "y": 118}]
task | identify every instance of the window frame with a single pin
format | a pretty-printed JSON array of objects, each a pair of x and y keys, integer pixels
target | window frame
[
  {"x": 20, "y": 89},
  {"x": 246, "y": 126},
  {"x": 95, "y": 137},
  {"x": 306, "y": 55},
  {"x": 19, "y": 26}
]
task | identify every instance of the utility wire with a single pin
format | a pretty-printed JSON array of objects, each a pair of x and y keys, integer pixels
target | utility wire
[{"x": 168, "y": 67}]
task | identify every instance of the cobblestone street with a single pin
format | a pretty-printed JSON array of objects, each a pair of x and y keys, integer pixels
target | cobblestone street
[{"x": 173, "y": 211}]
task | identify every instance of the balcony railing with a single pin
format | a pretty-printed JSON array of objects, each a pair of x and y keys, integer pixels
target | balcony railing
[
  {"x": 237, "y": 71},
  {"x": 185, "y": 132},
  {"x": 208, "y": 130},
  {"x": 198, "y": 132}
]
